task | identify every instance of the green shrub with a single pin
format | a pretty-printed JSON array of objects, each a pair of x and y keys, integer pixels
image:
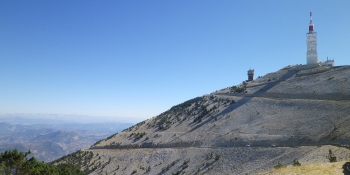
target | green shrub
[
  {"x": 331, "y": 157},
  {"x": 278, "y": 166},
  {"x": 239, "y": 89},
  {"x": 296, "y": 163},
  {"x": 15, "y": 161}
]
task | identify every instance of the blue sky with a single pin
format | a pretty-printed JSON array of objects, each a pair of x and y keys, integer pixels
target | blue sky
[{"x": 136, "y": 59}]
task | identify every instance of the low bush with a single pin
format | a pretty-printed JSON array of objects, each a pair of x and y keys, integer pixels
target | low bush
[
  {"x": 296, "y": 163},
  {"x": 278, "y": 166},
  {"x": 331, "y": 157}
]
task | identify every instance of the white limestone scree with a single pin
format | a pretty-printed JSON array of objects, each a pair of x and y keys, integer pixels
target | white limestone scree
[{"x": 311, "y": 41}]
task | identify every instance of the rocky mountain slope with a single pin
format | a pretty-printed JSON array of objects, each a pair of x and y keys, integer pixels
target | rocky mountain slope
[{"x": 296, "y": 113}]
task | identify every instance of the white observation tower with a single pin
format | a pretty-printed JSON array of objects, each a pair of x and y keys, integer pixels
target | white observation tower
[{"x": 311, "y": 39}]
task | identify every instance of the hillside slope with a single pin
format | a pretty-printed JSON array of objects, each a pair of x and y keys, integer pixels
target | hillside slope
[{"x": 293, "y": 113}]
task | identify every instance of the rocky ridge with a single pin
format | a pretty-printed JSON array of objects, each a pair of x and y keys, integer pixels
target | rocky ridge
[{"x": 296, "y": 113}]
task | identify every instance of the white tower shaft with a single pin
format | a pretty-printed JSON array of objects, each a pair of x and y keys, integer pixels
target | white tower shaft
[{"x": 311, "y": 41}]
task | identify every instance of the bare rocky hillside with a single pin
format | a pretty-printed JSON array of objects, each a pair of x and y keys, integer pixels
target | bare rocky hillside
[{"x": 296, "y": 113}]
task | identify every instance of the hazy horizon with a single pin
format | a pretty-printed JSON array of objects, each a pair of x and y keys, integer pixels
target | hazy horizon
[{"x": 65, "y": 118}]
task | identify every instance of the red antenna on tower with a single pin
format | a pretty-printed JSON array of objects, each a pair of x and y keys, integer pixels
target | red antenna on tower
[{"x": 311, "y": 25}]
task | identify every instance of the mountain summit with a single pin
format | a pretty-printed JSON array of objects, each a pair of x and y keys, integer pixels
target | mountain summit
[{"x": 296, "y": 113}]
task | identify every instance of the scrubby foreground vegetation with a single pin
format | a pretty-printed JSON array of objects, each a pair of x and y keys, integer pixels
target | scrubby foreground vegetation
[
  {"x": 338, "y": 168},
  {"x": 14, "y": 162}
]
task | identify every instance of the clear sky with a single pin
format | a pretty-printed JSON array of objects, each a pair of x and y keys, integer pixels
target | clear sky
[{"x": 138, "y": 58}]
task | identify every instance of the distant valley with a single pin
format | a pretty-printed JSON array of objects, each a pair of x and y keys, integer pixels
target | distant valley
[{"x": 50, "y": 141}]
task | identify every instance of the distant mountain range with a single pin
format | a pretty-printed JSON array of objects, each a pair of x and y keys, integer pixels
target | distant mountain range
[
  {"x": 50, "y": 141},
  {"x": 28, "y": 118}
]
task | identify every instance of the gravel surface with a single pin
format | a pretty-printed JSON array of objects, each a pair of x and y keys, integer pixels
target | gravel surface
[{"x": 294, "y": 113}]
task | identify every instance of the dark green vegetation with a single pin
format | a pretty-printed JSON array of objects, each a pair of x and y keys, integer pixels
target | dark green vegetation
[
  {"x": 235, "y": 89},
  {"x": 198, "y": 108},
  {"x": 81, "y": 159},
  {"x": 296, "y": 163},
  {"x": 165, "y": 169},
  {"x": 164, "y": 122},
  {"x": 331, "y": 157},
  {"x": 19, "y": 163},
  {"x": 137, "y": 136},
  {"x": 182, "y": 168},
  {"x": 206, "y": 165},
  {"x": 278, "y": 166},
  {"x": 109, "y": 137}
]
